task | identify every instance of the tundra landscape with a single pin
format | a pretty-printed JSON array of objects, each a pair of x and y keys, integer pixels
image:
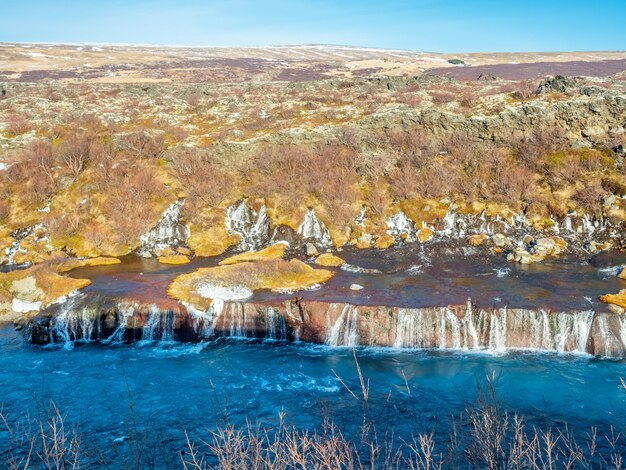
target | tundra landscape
[{"x": 311, "y": 256}]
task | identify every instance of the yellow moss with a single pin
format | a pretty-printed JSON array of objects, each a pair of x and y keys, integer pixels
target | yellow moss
[
  {"x": 423, "y": 210},
  {"x": 68, "y": 265},
  {"x": 494, "y": 209},
  {"x": 276, "y": 251},
  {"x": 424, "y": 234},
  {"x": 385, "y": 241},
  {"x": 173, "y": 259},
  {"x": 276, "y": 275},
  {"x": 329, "y": 260},
  {"x": 618, "y": 299},
  {"x": 208, "y": 233},
  {"x": 281, "y": 211},
  {"x": 476, "y": 240},
  {"x": 48, "y": 285}
]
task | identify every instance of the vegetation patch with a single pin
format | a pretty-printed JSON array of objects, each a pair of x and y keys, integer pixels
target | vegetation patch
[
  {"x": 173, "y": 259},
  {"x": 329, "y": 260},
  {"x": 276, "y": 275},
  {"x": 276, "y": 251},
  {"x": 71, "y": 264},
  {"x": 28, "y": 290}
]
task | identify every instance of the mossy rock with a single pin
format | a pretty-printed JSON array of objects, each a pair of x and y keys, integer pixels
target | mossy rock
[
  {"x": 174, "y": 259},
  {"x": 329, "y": 260},
  {"x": 71, "y": 264},
  {"x": 276, "y": 275},
  {"x": 276, "y": 251}
]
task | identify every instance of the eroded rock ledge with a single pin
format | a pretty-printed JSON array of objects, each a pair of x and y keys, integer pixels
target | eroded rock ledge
[{"x": 88, "y": 318}]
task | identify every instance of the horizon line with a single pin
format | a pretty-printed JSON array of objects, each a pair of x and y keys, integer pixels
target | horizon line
[{"x": 287, "y": 45}]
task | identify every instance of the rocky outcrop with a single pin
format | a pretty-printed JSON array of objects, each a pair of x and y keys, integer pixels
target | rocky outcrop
[
  {"x": 558, "y": 83},
  {"x": 469, "y": 326},
  {"x": 596, "y": 116}
]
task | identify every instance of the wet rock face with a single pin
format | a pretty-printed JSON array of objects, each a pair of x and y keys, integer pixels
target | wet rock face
[
  {"x": 336, "y": 324},
  {"x": 33, "y": 237},
  {"x": 253, "y": 228},
  {"x": 169, "y": 233},
  {"x": 314, "y": 231},
  {"x": 401, "y": 227}
]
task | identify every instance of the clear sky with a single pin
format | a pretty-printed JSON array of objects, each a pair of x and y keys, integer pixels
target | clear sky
[{"x": 427, "y": 25}]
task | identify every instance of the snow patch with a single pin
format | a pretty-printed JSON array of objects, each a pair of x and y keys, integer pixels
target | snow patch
[{"x": 23, "y": 306}]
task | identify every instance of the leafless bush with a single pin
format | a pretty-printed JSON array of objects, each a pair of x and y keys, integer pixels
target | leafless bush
[
  {"x": 590, "y": 197},
  {"x": 5, "y": 210},
  {"x": 142, "y": 144},
  {"x": 17, "y": 124},
  {"x": 525, "y": 90},
  {"x": 204, "y": 181},
  {"x": 45, "y": 442}
]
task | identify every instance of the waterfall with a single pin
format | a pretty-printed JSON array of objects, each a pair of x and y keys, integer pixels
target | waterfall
[
  {"x": 587, "y": 225},
  {"x": 497, "y": 330},
  {"x": 125, "y": 312},
  {"x": 439, "y": 328},
  {"x": 205, "y": 322},
  {"x": 314, "y": 230},
  {"x": 572, "y": 331},
  {"x": 400, "y": 226},
  {"x": 169, "y": 232},
  {"x": 73, "y": 324},
  {"x": 408, "y": 330},
  {"x": 19, "y": 235},
  {"x": 253, "y": 228},
  {"x": 344, "y": 331},
  {"x": 237, "y": 320},
  {"x": 159, "y": 325},
  {"x": 276, "y": 325}
]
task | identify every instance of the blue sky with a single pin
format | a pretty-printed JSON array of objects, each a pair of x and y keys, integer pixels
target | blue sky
[{"x": 428, "y": 25}]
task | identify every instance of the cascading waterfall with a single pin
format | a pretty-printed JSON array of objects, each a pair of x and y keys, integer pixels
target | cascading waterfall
[
  {"x": 400, "y": 226},
  {"x": 437, "y": 328},
  {"x": 237, "y": 321},
  {"x": 344, "y": 332},
  {"x": 312, "y": 229},
  {"x": 572, "y": 330},
  {"x": 169, "y": 232},
  {"x": 497, "y": 330},
  {"x": 73, "y": 323},
  {"x": 276, "y": 325},
  {"x": 125, "y": 312},
  {"x": 159, "y": 325},
  {"x": 252, "y": 227}
]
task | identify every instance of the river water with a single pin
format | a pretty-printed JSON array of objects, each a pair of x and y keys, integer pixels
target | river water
[
  {"x": 116, "y": 395},
  {"x": 113, "y": 393}
]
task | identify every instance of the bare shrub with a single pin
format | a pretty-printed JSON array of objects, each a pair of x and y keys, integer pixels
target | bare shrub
[
  {"x": 525, "y": 90},
  {"x": 377, "y": 197},
  {"x": 5, "y": 210},
  {"x": 590, "y": 197},
  {"x": 142, "y": 144},
  {"x": 17, "y": 124},
  {"x": 204, "y": 181},
  {"x": 442, "y": 97},
  {"x": 132, "y": 201}
]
